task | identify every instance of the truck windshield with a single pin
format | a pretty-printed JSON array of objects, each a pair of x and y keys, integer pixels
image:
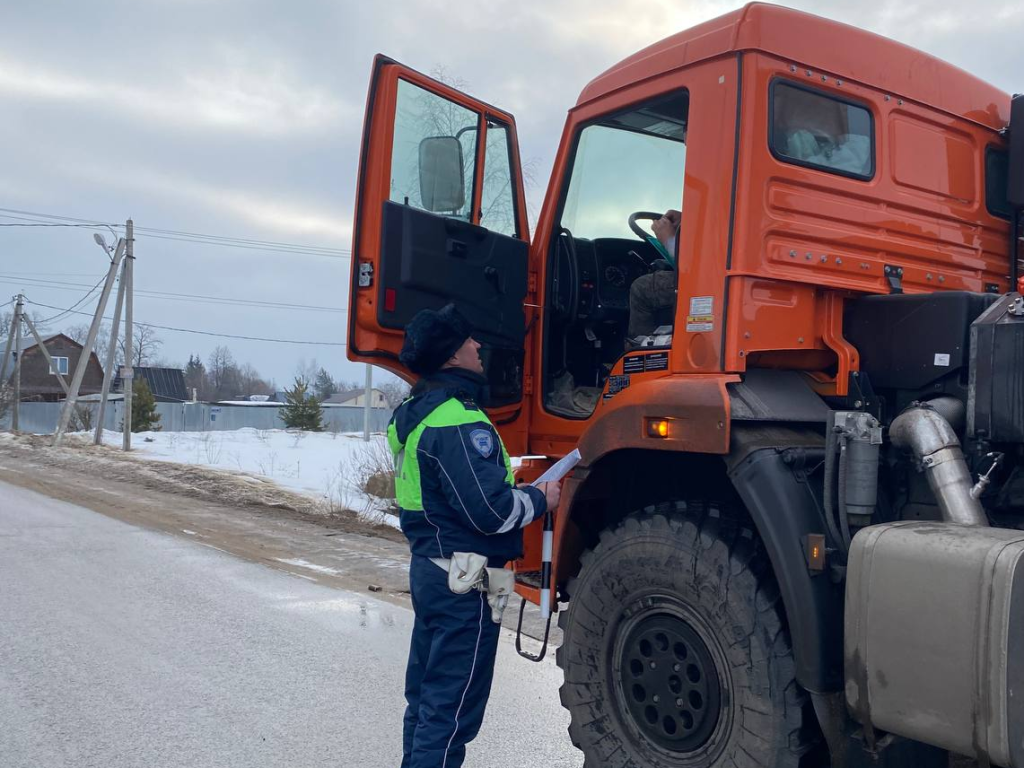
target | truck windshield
[{"x": 630, "y": 162}]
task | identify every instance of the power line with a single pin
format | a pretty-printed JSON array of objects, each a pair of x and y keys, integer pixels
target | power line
[
  {"x": 27, "y": 224},
  {"x": 246, "y": 247},
  {"x": 191, "y": 297},
  {"x": 50, "y": 273},
  {"x": 178, "y": 235},
  {"x": 77, "y": 303},
  {"x": 205, "y": 333}
]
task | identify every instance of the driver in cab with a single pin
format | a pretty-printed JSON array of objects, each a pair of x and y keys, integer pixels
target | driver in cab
[{"x": 652, "y": 296}]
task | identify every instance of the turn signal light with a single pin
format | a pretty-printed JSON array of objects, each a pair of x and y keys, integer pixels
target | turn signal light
[
  {"x": 660, "y": 428},
  {"x": 815, "y": 551}
]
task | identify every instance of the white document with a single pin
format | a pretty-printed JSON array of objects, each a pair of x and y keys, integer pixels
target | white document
[{"x": 560, "y": 468}]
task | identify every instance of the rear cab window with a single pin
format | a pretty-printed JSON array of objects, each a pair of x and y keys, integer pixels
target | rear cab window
[
  {"x": 814, "y": 129},
  {"x": 997, "y": 173}
]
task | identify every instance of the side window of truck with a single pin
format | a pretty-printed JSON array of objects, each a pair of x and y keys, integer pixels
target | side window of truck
[
  {"x": 497, "y": 203},
  {"x": 817, "y": 130},
  {"x": 430, "y": 130},
  {"x": 433, "y": 135}
]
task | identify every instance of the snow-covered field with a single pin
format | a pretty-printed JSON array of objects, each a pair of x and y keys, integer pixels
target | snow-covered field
[{"x": 330, "y": 467}]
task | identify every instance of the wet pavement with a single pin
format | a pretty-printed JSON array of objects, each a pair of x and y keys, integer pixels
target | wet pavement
[{"x": 121, "y": 646}]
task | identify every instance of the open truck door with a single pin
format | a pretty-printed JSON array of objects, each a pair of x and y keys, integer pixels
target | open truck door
[{"x": 440, "y": 217}]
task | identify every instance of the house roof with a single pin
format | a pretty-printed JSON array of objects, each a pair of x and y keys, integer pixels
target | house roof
[
  {"x": 345, "y": 396},
  {"x": 164, "y": 383},
  {"x": 28, "y": 341}
]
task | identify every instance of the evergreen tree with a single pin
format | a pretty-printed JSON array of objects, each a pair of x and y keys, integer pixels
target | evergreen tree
[
  {"x": 302, "y": 409},
  {"x": 324, "y": 385},
  {"x": 195, "y": 377},
  {"x": 144, "y": 415}
]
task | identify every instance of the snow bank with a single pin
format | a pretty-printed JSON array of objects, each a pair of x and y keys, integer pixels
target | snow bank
[{"x": 329, "y": 466}]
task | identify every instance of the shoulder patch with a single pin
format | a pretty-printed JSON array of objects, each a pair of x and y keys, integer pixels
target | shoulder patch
[{"x": 483, "y": 441}]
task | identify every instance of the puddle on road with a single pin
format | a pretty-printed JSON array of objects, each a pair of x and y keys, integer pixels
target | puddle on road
[
  {"x": 367, "y": 615},
  {"x": 370, "y": 614}
]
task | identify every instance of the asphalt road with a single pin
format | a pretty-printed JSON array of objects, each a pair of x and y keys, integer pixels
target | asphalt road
[{"x": 121, "y": 646}]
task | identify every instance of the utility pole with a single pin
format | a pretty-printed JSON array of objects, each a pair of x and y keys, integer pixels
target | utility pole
[
  {"x": 108, "y": 369},
  {"x": 83, "y": 360},
  {"x": 128, "y": 374},
  {"x": 10, "y": 342},
  {"x": 18, "y": 309},
  {"x": 366, "y": 404}
]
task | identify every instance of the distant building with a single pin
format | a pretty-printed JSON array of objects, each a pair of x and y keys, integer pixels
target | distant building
[
  {"x": 351, "y": 398},
  {"x": 166, "y": 384},
  {"x": 356, "y": 398},
  {"x": 40, "y": 383}
]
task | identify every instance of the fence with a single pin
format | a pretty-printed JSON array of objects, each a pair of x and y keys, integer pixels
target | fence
[{"x": 41, "y": 418}]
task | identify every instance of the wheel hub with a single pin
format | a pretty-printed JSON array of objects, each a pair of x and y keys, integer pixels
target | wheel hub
[{"x": 669, "y": 683}]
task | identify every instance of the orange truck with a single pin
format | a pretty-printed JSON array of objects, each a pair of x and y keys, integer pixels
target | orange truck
[{"x": 793, "y": 536}]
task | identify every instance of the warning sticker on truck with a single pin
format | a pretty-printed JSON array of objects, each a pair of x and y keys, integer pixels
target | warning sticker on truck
[
  {"x": 633, "y": 364},
  {"x": 702, "y": 305},
  {"x": 656, "y": 361},
  {"x": 700, "y": 323},
  {"x": 702, "y": 314}
]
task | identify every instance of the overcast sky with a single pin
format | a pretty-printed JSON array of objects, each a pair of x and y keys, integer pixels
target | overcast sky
[{"x": 242, "y": 118}]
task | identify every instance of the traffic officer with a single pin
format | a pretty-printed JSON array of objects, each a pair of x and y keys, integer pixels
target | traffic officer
[{"x": 460, "y": 510}]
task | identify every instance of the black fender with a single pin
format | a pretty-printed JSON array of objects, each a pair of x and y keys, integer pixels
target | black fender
[{"x": 777, "y": 472}]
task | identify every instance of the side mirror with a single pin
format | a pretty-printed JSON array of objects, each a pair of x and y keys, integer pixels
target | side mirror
[
  {"x": 1015, "y": 179},
  {"x": 442, "y": 184}
]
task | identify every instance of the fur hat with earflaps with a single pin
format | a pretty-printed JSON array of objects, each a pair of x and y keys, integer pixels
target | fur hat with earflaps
[{"x": 432, "y": 337}]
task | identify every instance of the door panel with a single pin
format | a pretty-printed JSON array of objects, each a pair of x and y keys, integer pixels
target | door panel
[
  {"x": 440, "y": 217},
  {"x": 428, "y": 260}
]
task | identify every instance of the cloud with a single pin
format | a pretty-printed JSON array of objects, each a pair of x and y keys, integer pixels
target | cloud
[
  {"x": 242, "y": 117},
  {"x": 237, "y": 95}
]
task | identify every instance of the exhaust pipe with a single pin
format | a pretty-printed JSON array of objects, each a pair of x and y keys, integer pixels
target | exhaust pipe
[{"x": 928, "y": 435}]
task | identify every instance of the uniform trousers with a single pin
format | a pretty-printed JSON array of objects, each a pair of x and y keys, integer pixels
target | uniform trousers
[{"x": 451, "y": 665}]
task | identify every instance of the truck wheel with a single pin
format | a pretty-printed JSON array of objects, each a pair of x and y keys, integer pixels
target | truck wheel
[{"x": 674, "y": 649}]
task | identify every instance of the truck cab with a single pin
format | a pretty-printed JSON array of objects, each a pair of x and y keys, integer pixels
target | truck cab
[{"x": 845, "y": 224}]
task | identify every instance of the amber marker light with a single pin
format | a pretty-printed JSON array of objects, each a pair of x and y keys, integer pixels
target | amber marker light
[
  {"x": 660, "y": 428},
  {"x": 816, "y": 551}
]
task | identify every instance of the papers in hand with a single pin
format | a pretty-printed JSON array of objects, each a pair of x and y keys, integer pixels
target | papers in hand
[{"x": 560, "y": 468}]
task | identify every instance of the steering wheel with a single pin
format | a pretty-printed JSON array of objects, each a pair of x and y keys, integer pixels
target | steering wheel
[
  {"x": 639, "y": 232},
  {"x": 645, "y": 216}
]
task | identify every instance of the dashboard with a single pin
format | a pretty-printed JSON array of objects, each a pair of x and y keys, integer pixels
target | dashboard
[{"x": 607, "y": 270}]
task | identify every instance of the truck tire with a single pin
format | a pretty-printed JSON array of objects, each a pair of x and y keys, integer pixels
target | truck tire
[{"x": 674, "y": 649}]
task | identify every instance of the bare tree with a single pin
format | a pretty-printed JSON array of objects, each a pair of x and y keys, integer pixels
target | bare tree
[
  {"x": 307, "y": 369},
  {"x": 80, "y": 331},
  {"x": 395, "y": 391},
  {"x": 222, "y": 373},
  {"x": 252, "y": 383},
  {"x": 145, "y": 343}
]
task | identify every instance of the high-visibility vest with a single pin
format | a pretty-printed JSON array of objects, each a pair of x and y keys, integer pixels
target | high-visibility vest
[{"x": 451, "y": 413}]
